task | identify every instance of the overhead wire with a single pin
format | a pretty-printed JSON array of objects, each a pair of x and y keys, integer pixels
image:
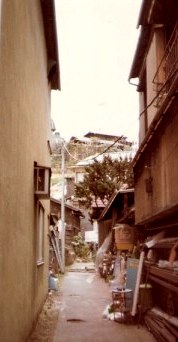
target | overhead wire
[
  {"x": 159, "y": 92},
  {"x": 69, "y": 152},
  {"x": 108, "y": 148},
  {"x": 142, "y": 112}
]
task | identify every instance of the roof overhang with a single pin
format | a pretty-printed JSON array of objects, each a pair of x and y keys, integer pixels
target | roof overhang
[
  {"x": 145, "y": 12},
  {"x": 112, "y": 199},
  {"x": 75, "y": 210},
  {"x": 142, "y": 44},
  {"x": 152, "y": 12},
  {"x": 50, "y": 30}
]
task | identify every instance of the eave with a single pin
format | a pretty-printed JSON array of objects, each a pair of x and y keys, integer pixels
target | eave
[
  {"x": 111, "y": 200},
  {"x": 152, "y": 13},
  {"x": 104, "y": 136},
  {"x": 144, "y": 12},
  {"x": 140, "y": 52},
  {"x": 49, "y": 21},
  {"x": 70, "y": 207}
]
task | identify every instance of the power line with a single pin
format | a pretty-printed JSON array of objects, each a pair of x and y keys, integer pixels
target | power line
[
  {"x": 108, "y": 148},
  {"x": 69, "y": 153},
  {"x": 159, "y": 92},
  {"x": 142, "y": 112}
]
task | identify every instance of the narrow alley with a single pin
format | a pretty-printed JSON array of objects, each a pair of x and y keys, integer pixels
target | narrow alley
[{"x": 84, "y": 297}]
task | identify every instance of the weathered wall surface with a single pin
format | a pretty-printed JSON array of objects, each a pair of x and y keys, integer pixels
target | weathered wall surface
[
  {"x": 104, "y": 227},
  {"x": 24, "y": 131},
  {"x": 154, "y": 80},
  {"x": 164, "y": 165}
]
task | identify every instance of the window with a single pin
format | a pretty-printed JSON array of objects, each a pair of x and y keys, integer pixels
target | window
[
  {"x": 40, "y": 233},
  {"x": 42, "y": 181}
]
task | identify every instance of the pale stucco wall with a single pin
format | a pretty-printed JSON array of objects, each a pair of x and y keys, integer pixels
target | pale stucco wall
[
  {"x": 24, "y": 131},
  {"x": 164, "y": 165}
]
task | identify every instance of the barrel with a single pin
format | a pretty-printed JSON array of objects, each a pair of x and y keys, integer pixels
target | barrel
[{"x": 124, "y": 237}]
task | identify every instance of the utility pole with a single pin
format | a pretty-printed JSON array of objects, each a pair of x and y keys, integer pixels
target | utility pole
[
  {"x": 59, "y": 141},
  {"x": 63, "y": 205}
]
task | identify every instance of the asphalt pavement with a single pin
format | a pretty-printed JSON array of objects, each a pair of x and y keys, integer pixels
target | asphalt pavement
[{"x": 84, "y": 298}]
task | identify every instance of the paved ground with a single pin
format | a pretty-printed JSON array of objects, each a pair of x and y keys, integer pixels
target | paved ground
[{"x": 83, "y": 298}]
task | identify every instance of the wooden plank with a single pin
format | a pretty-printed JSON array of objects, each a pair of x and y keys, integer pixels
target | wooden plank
[
  {"x": 58, "y": 257},
  {"x": 136, "y": 292},
  {"x": 162, "y": 273},
  {"x": 164, "y": 283},
  {"x": 160, "y": 325}
]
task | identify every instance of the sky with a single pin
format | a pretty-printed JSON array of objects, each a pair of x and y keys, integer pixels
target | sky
[{"x": 97, "y": 41}]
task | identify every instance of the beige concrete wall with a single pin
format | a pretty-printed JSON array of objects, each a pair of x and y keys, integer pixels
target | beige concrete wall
[
  {"x": 164, "y": 165},
  {"x": 24, "y": 131}
]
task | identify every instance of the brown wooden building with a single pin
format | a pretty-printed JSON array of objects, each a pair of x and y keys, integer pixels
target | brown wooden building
[
  {"x": 119, "y": 209},
  {"x": 156, "y": 161},
  {"x": 73, "y": 218}
]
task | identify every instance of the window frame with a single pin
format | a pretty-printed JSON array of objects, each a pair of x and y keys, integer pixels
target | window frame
[
  {"x": 42, "y": 176},
  {"x": 40, "y": 229}
]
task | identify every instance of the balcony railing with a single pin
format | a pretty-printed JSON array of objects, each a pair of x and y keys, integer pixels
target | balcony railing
[{"x": 168, "y": 68}]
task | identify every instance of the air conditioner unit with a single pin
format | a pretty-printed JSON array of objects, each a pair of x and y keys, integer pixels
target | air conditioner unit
[{"x": 42, "y": 177}]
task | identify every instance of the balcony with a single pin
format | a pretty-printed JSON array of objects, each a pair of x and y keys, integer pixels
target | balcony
[{"x": 166, "y": 75}]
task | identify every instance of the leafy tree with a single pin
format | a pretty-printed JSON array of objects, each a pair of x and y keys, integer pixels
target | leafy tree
[
  {"x": 80, "y": 247},
  {"x": 103, "y": 178}
]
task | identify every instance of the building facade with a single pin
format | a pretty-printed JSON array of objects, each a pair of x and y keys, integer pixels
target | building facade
[
  {"x": 29, "y": 70},
  {"x": 156, "y": 161},
  {"x": 155, "y": 65},
  {"x": 73, "y": 218},
  {"x": 118, "y": 210}
]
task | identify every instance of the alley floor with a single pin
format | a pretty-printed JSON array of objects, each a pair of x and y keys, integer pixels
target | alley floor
[{"x": 83, "y": 298}]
